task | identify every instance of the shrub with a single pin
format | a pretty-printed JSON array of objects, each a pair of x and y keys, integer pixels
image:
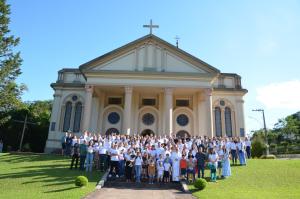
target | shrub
[
  {"x": 200, "y": 183},
  {"x": 268, "y": 157},
  {"x": 26, "y": 147},
  {"x": 273, "y": 146},
  {"x": 258, "y": 147},
  {"x": 81, "y": 181}
]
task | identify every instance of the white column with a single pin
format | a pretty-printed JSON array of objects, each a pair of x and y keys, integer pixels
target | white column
[
  {"x": 161, "y": 117},
  {"x": 168, "y": 111},
  {"x": 195, "y": 119},
  {"x": 223, "y": 121},
  {"x": 127, "y": 110},
  {"x": 55, "y": 114},
  {"x": 240, "y": 119},
  {"x": 87, "y": 107},
  {"x": 209, "y": 114}
]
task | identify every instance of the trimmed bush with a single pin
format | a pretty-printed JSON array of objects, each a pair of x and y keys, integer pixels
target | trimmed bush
[
  {"x": 268, "y": 157},
  {"x": 258, "y": 147},
  {"x": 81, "y": 181},
  {"x": 200, "y": 184}
]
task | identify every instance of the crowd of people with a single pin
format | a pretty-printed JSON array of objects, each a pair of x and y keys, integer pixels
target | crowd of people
[{"x": 155, "y": 158}]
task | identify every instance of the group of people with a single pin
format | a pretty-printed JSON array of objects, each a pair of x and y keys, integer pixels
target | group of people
[{"x": 155, "y": 158}]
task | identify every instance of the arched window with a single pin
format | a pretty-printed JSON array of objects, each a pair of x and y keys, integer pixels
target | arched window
[
  {"x": 218, "y": 122},
  {"x": 228, "y": 124},
  {"x": 77, "y": 117},
  {"x": 67, "y": 118}
]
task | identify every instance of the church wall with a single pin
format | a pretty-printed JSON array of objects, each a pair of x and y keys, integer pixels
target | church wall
[{"x": 94, "y": 115}]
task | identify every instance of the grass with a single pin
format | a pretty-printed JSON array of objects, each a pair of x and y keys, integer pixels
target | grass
[
  {"x": 260, "y": 179},
  {"x": 41, "y": 176}
]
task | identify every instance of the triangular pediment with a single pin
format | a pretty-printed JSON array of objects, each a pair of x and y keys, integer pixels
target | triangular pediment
[{"x": 149, "y": 54}]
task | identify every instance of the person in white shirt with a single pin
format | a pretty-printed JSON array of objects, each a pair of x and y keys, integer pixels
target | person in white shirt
[
  {"x": 90, "y": 157},
  {"x": 213, "y": 163},
  {"x": 220, "y": 159},
  {"x": 248, "y": 147},
  {"x": 233, "y": 148},
  {"x": 167, "y": 170},
  {"x": 114, "y": 161},
  {"x": 138, "y": 167},
  {"x": 160, "y": 172}
]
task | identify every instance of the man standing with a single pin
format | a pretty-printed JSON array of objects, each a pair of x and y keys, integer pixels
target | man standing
[
  {"x": 63, "y": 143},
  {"x": 248, "y": 147},
  {"x": 201, "y": 159},
  {"x": 82, "y": 151}
]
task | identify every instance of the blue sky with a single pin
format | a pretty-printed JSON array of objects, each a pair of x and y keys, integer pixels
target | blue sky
[{"x": 257, "y": 39}]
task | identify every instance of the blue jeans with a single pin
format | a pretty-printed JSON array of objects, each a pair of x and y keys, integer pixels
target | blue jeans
[
  {"x": 122, "y": 167},
  {"x": 138, "y": 169},
  {"x": 89, "y": 161}
]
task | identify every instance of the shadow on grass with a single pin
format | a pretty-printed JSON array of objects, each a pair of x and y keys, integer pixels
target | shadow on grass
[
  {"x": 61, "y": 190},
  {"x": 50, "y": 175}
]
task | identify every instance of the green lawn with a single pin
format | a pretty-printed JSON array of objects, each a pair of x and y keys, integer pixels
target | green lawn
[
  {"x": 41, "y": 176},
  {"x": 260, "y": 179}
]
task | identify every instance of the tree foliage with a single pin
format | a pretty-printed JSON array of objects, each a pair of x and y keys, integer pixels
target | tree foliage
[
  {"x": 10, "y": 62},
  {"x": 36, "y": 132}
]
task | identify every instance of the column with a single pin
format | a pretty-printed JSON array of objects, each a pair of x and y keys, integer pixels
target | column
[
  {"x": 87, "y": 107},
  {"x": 168, "y": 111},
  {"x": 240, "y": 120},
  {"x": 127, "y": 110},
  {"x": 209, "y": 114},
  {"x": 223, "y": 121},
  {"x": 55, "y": 114}
]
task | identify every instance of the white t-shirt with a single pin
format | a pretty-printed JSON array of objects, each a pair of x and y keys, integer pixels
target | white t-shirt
[
  {"x": 212, "y": 158},
  {"x": 90, "y": 149},
  {"x": 232, "y": 146},
  {"x": 248, "y": 143},
  {"x": 138, "y": 161},
  {"x": 102, "y": 150},
  {"x": 160, "y": 170},
  {"x": 114, "y": 155},
  {"x": 167, "y": 166}
]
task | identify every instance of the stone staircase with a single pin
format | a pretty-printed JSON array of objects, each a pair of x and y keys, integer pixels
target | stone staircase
[{"x": 121, "y": 183}]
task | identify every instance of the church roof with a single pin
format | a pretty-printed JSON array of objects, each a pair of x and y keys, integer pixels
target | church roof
[{"x": 148, "y": 37}]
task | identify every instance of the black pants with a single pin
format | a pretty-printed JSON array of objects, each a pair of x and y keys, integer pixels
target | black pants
[
  {"x": 103, "y": 162},
  {"x": 82, "y": 161},
  {"x": 234, "y": 156},
  {"x": 75, "y": 158},
  {"x": 248, "y": 151},
  {"x": 200, "y": 168},
  {"x": 114, "y": 164},
  {"x": 128, "y": 170}
]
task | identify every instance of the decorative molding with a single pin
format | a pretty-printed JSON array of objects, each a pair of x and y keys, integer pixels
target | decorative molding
[
  {"x": 128, "y": 89},
  {"x": 168, "y": 91}
]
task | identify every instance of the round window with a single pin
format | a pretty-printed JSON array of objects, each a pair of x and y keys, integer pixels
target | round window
[
  {"x": 182, "y": 120},
  {"x": 113, "y": 118},
  {"x": 148, "y": 119},
  {"x": 222, "y": 103},
  {"x": 74, "y": 98}
]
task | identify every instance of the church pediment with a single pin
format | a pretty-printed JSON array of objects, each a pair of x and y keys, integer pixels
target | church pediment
[{"x": 149, "y": 54}]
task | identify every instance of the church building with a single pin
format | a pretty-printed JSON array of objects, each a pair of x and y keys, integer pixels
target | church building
[{"x": 147, "y": 86}]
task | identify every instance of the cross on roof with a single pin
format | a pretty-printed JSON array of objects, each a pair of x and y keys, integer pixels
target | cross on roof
[{"x": 150, "y": 26}]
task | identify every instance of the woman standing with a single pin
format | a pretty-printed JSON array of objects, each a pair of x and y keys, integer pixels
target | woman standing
[
  {"x": 128, "y": 166},
  {"x": 138, "y": 167},
  {"x": 226, "y": 171},
  {"x": 89, "y": 157},
  {"x": 241, "y": 149},
  {"x": 213, "y": 163}
]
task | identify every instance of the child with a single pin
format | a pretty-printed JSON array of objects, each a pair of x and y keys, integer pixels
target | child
[
  {"x": 167, "y": 170},
  {"x": 151, "y": 171},
  {"x": 183, "y": 166},
  {"x": 213, "y": 163},
  {"x": 160, "y": 172},
  {"x": 145, "y": 165},
  {"x": 191, "y": 169}
]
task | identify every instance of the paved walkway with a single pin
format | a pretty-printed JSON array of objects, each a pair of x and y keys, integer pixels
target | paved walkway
[{"x": 123, "y": 193}]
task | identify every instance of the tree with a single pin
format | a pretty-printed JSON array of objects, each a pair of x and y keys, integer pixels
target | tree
[
  {"x": 36, "y": 131},
  {"x": 10, "y": 62}
]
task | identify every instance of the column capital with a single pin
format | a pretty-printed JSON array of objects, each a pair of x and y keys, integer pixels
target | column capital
[
  {"x": 128, "y": 89},
  {"x": 208, "y": 92},
  {"x": 168, "y": 91},
  {"x": 89, "y": 88}
]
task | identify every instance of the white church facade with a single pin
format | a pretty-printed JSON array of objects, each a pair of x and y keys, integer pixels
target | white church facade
[{"x": 148, "y": 86}]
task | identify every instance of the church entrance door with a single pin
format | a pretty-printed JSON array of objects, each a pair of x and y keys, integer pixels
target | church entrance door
[
  {"x": 182, "y": 134},
  {"x": 112, "y": 131},
  {"x": 147, "y": 132}
]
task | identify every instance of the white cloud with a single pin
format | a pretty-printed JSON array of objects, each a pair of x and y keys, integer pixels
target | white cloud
[{"x": 280, "y": 95}]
